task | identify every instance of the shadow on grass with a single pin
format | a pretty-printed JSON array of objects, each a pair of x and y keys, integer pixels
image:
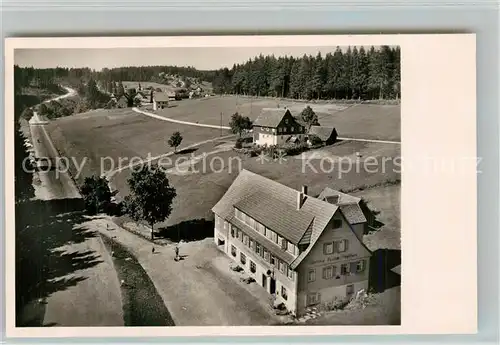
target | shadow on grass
[
  {"x": 142, "y": 305},
  {"x": 381, "y": 263},
  {"x": 42, "y": 266},
  {"x": 191, "y": 230}
]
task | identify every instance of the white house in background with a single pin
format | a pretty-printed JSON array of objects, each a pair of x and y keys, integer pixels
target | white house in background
[
  {"x": 276, "y": 126},
  {"x": 160, "y": 100},
  {"x": 300, "y": 249}
]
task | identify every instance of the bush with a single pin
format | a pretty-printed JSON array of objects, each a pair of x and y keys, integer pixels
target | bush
[
  {"x": 315, "y": 140},
  {"x": 295, "y": 149},
  {"x": 238, "y": 144}
]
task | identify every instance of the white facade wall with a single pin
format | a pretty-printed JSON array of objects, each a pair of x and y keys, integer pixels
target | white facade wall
[
  {"x": 275, "y": 139},
  {"x": 261, "y": 269},
  {"x": 268, "y": 139}
]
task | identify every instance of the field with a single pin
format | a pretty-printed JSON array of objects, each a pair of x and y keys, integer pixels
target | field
[
  {"x": 104, "y": 137},
  {"x": 135, "y": 84},
  {"x": 145, "y": 84},
  {"x": 208, "y": 167},
  {"x": 354, "y": 121}
]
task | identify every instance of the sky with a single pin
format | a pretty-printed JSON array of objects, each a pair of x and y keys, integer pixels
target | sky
[{"x": 200, "y": 58}]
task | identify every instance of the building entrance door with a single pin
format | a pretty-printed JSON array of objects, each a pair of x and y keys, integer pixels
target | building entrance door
[
  {"x": 272, "y": 286},
  {"x": 264, "y": 281}
]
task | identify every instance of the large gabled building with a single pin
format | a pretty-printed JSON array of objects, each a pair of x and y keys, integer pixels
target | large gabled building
[
  {"x": 299, "y": 248},
  {"x": 276, "y": 126}
]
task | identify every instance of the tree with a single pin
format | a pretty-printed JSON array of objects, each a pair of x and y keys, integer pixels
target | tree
[
  {"x": 120, "y": 90},
  {"x": 175, "y": 140},
  {"x": 92, "y": 93},
  {"x": 309, "y": 116},
  {"x": 96, "y": 194},
  {"x": 150, "y": 197},
  {"x": 239, "y": 123}
]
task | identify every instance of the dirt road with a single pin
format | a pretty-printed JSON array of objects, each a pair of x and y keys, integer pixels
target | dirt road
[{"x": 199, "y": 290}]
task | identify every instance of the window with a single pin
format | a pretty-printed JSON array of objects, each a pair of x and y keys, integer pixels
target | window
[
  {"x": 258, "y": 248},
  {"x": 252, "y": 267},
  {"x": 245, "y": 240},
  {"x": 360, "y": 267},
  {"x": 286, "y": 121},
  {"x": 291, "y": 248},
  {"x": 261, "y": 228},
  {"x": 273, "y": 260},
  {"x": 281, "y": 266},
  {"x": 279, "y": 129},
  {"x": 328, "y": 272},
  {"x": 290, "y": 273},
  {"x": 274, "y": 130},
  {"x": 344, "y": 269},
  {"x": 313, "y": 298},
  {"x": 292, "y": 129},
  {"x": 337, "y": 223},
  {"x": 341, "y": 246},
  {"x": 274, "y": 237},
  {"x": 252, "y": 244},
  {"x": 232, "y": 232},
  {"x": 266, "y": 255},
  {"x": 269, "y": 233},
  {"x": 328, "y": 248},
  {"x": 311, "y": 275},
  {"x": 243, "y": 258},
  {"x": 284, "y": 129},
  {"x": 284, "y": 244},
  {"x": 353, "y": 267},
  {"x": 283, "y": 293},
  {"x": 251, "y": 222},
  {"x": 349, "y": 289},
  {"x": 233, "y": 250}
]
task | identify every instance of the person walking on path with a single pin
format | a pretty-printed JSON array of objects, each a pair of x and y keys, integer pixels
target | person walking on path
[{"x": 176, "y": 252}]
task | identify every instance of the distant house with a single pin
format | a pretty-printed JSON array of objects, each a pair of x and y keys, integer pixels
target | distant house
[
  {"x": 328, "y": 135},
  {"x": 160, "y": 100},
  {"x": 276, "y": 126},
  {"x": 300, "y": 249},
  {"x": 122, "y": 102},
  {"x": 355, "y": 210}
]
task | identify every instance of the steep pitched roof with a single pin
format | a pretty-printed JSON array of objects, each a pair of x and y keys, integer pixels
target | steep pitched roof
[
  {"x": 277, "y": 215},
  {"x": 348, "y": 204},
  {"x": 270, "y": 117},
  {"x": 322, "y": 132},
  {"x": 315, "y": 238},
  {"x": 161, "y": 96},
  {"x": 267, "y": 198}
]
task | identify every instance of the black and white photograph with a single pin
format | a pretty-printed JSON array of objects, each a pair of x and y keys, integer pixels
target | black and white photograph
[{"x": 208, "y": 186}]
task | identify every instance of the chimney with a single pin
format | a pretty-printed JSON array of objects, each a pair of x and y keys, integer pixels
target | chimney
[{"x": 301, "y": 197}]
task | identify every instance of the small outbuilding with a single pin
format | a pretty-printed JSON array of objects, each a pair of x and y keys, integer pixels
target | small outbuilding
[{"x": 328, "y": 135}]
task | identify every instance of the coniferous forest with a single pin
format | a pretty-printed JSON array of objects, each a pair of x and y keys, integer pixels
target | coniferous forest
[{"x": 350, "y": 73}]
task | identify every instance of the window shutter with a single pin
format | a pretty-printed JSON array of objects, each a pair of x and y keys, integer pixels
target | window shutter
[
  {"x": 335, "y": 246},
  {"x": 353, "y": 267},
  {"x": 346, "y": 245}
]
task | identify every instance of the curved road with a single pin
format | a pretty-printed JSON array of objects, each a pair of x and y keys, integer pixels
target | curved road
[
  {"x": 163, "y": 118},
  {"x": 79, "y": 285}
]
